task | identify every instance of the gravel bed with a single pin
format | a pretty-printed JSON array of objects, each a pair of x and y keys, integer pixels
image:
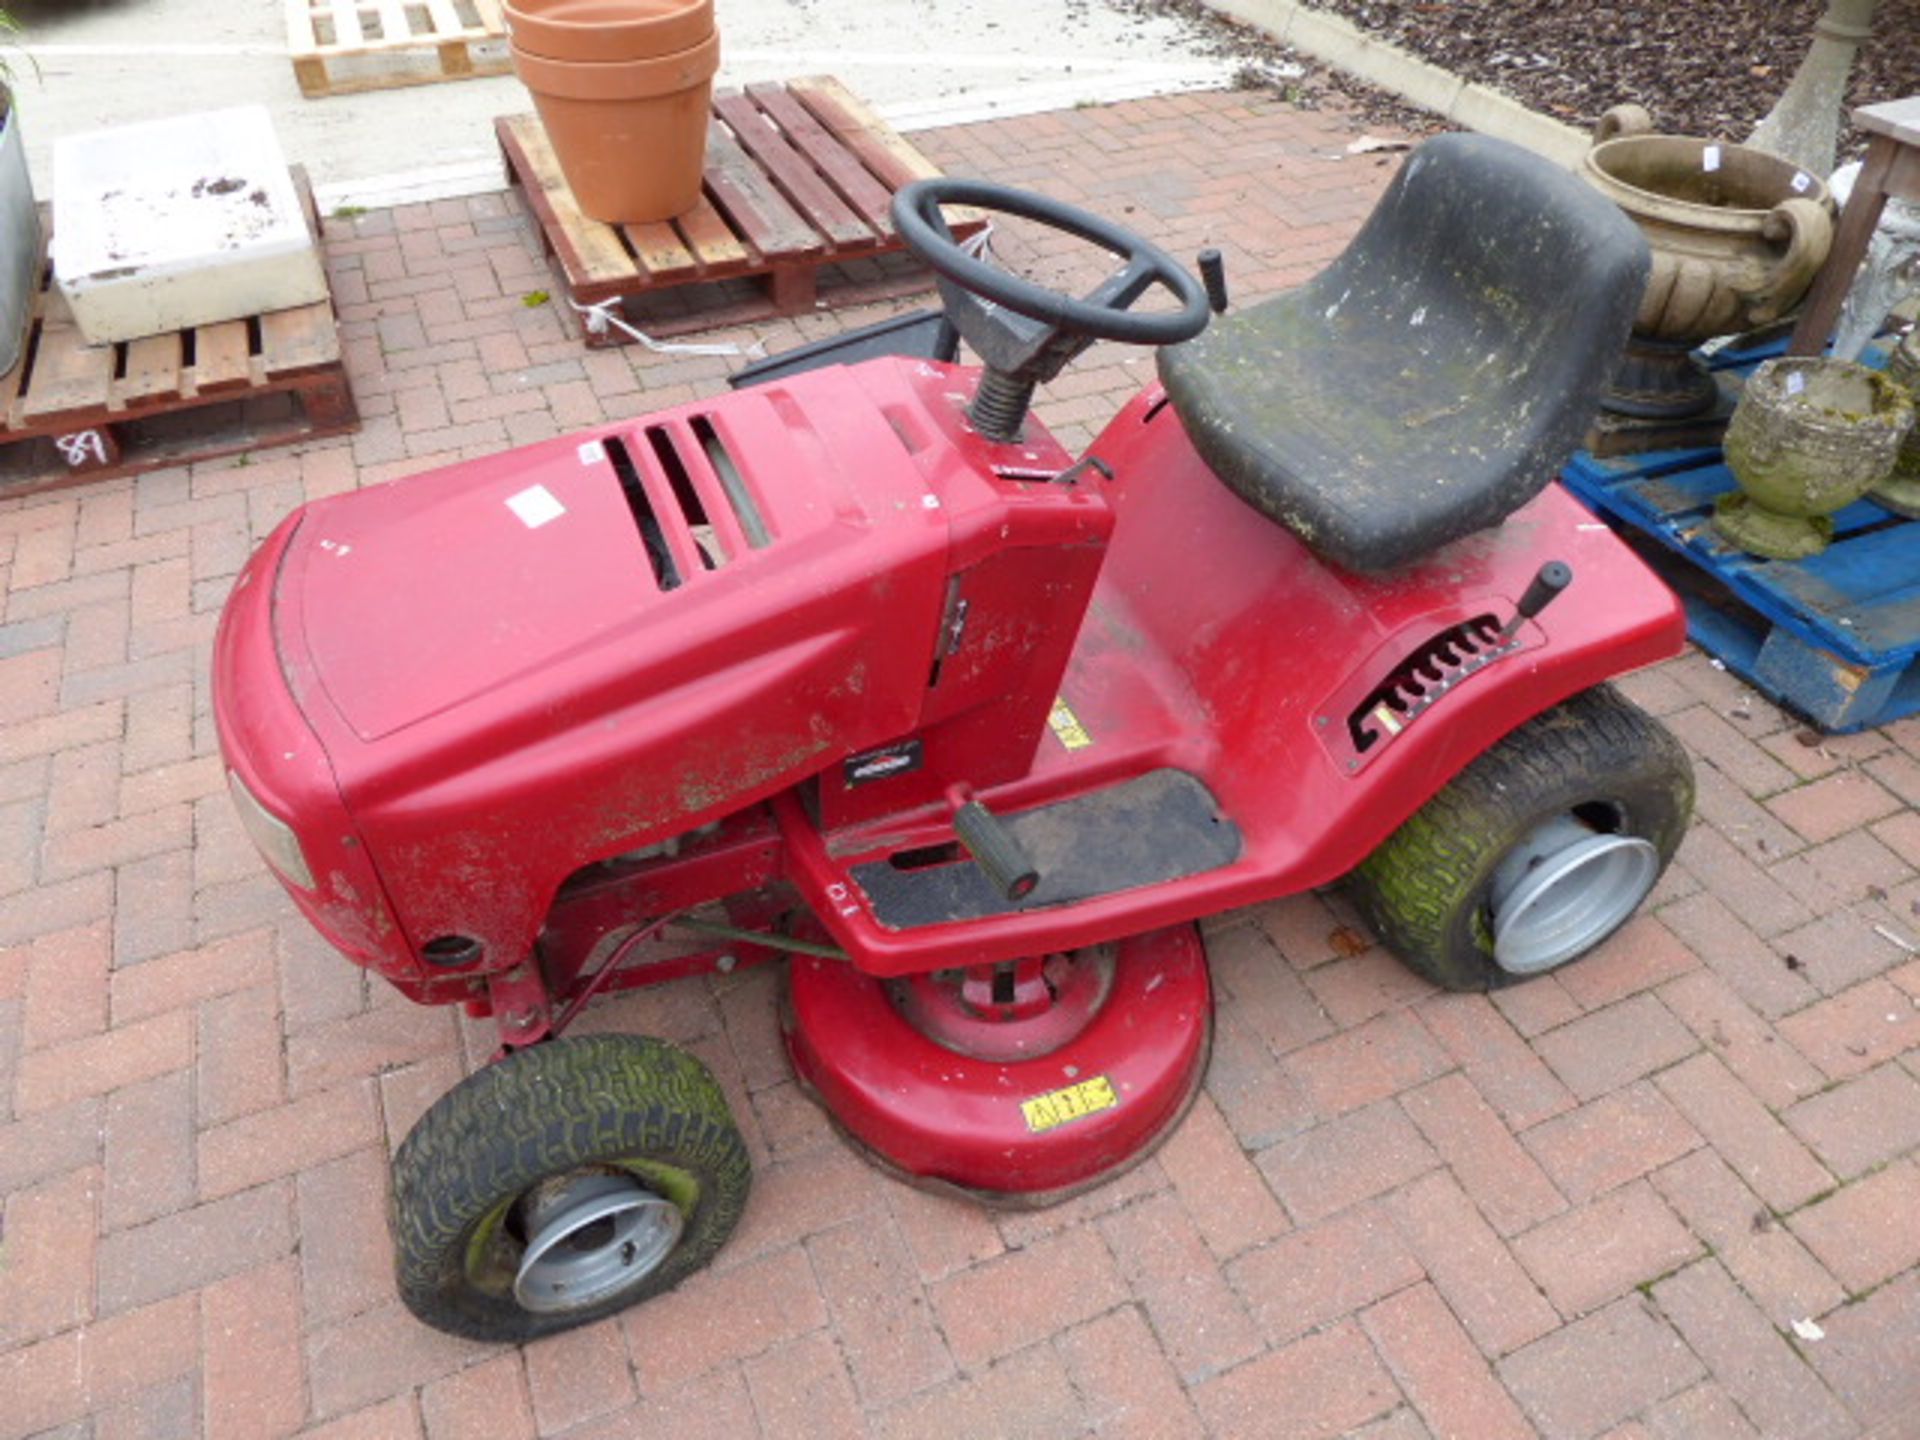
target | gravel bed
[{"x": 1702, "y": 67}]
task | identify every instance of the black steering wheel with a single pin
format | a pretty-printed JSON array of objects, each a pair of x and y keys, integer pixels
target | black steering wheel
[{"x": 1100, "y": 315}]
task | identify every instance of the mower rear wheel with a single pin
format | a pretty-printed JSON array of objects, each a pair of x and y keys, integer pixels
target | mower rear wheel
[
  {"x": 1537, "y": 851},
  {"x": 563, "y": 1183}
]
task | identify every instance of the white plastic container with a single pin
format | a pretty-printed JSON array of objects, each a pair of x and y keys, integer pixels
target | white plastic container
[{"x": 178, "y": 222}]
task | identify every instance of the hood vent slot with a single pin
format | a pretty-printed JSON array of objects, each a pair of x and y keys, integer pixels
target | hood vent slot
[
  {"x": 706, "y": 541},
  {"x": 688, "y": 499},
  {"x": 666, "y": 571},
  {"x": 1419, "y": 681},
  {"x": 745, "y": 509}
]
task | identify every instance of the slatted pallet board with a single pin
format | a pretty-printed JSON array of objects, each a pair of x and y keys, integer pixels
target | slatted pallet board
[
  {"x": 799, "y": 178},
  {"x": 71, "y": 412},
  {"x": 341, "y": 47},
  {"x": 1835, "y": 638}
]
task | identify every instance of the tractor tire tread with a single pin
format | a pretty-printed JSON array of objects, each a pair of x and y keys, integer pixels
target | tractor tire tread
[
  {"x": 1414, "y": 887},
  {"x": 540, "y": 1112}
]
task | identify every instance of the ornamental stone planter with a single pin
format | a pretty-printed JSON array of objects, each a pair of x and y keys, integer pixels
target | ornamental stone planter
[
  {"x": 1900, "y": 492},
  {"x": 623, "y": 89},
  {"x": 1737, "y": 237},
  {"x": 1810, "y": 435},
  {"x": 19, "y": 236}
]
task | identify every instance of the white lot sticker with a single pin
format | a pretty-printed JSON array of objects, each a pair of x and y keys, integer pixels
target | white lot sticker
[
  {"x": 1710, "y": 158},
  {"x": 592, "y": 452},
  {"x": 536, "y": 506}
]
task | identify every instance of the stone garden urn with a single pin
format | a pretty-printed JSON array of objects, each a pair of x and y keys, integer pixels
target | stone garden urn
[
  {"x": 1810, "y": 435},
  {"x": 1737, "y": 236},
  {"x": 1900, "y": 492}
]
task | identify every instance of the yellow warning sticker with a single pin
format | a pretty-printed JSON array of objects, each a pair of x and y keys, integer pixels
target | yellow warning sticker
[
  {"x": 1075, "y": 1102},
  {"x": 1067, "y": 727}
]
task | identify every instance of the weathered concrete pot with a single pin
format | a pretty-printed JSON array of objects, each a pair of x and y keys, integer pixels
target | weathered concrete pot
[
  {"x": 19, "y": 237},
  {"x": 1900, "y": 492},
  {"x": 1737, "y": 237},
  {"x": 1810, "y": 435}
]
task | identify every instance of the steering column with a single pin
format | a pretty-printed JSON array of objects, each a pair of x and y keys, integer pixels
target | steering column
[{"x": 1025, "y": 333}]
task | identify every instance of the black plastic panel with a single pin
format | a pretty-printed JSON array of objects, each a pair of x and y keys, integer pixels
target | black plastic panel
[{"x": 1164, "y": 826}]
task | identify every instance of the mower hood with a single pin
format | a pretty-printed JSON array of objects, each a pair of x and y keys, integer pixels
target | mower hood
[{"x": 418, "y": 597}]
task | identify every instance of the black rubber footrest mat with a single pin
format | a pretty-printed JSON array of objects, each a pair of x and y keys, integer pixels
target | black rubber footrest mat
[{"x": 1164, "y": 826}]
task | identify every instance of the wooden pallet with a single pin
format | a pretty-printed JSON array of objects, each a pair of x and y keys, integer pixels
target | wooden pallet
[
  {"x": 799, "y": 179},
  {"x": 1835, "y": 638},
  {"x": 340, "y": 47},
  {"x": 71, "y": 412}
]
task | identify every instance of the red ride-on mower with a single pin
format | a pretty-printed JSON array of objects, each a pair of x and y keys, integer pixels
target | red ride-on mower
[{"x": 857, "y": 667}]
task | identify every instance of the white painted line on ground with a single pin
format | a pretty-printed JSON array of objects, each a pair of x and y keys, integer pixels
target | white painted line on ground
[
  {"x": 1071, "y": 62},
  {"x": 412, "y": 187},
  {"x": 1033, "y": 98},
  {"x": 130, "y": 52},
  {"x": 477, "y": 176},
  {"x": 786, "y": 61}
]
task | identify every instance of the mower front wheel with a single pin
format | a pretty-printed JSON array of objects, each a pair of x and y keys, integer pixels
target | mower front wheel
[
  {"x": 563, "y": 1183},
  {"x": 1537, "y": 851}
]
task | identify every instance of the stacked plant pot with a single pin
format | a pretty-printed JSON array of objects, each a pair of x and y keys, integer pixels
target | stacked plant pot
[{"x": 623, "y": 88}]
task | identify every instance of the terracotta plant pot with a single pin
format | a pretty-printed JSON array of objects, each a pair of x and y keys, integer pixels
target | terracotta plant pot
[
  {"x": 606, "y": 30},
  {"x": 630, "y": 135},
  {"x": 1810, "y": 436},
  {"x": 1737, "y": 237}
]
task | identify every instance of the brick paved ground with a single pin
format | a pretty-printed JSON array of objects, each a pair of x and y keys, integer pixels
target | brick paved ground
[{"x": 1594, "y": 1205}]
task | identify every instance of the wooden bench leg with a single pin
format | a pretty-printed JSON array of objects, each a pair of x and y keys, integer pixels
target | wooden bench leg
[
  {"x": 1830, "y": 285},
  {"x": 85, "y": 451}
]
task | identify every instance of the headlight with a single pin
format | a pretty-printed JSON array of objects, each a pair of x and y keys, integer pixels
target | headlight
[{"x": 271, "y": 835}]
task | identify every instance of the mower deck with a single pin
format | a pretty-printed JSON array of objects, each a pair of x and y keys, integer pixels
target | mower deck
[{"x": 1118, "y": 1037}]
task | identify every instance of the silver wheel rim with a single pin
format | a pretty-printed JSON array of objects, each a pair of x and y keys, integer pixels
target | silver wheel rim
[
  {"x": 591, "y": 1236},
  {"x": 1563, "y": 890}
]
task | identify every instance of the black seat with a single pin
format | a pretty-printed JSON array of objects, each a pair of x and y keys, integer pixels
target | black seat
[{"x": 1433, "y": 378}]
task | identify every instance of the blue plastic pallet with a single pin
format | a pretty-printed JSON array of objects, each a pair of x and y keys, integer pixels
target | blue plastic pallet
[{"x": 1834, "y": 638}]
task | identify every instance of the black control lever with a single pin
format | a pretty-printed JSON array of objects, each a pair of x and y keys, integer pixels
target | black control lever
[
  {"x": 1554, "y": 577},
  {"x": 1213, "y": 275},
  {"x": 1001, "y": 858}
]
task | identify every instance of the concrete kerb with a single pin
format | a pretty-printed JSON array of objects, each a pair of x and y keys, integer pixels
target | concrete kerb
[{"x": 1335, "y": 41}]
